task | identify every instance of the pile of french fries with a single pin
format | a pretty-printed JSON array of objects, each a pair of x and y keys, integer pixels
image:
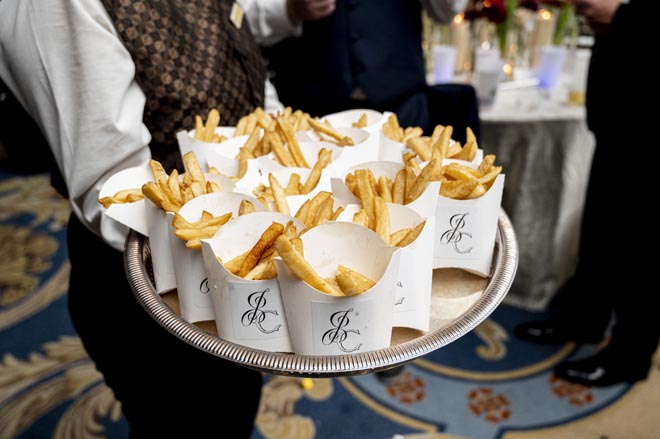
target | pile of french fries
[
  {"x": 257, "y": 263},
  {"x": 169, "y": 193},
  {"x": 294, "y": 186},
  {"x": 346, "y": 282},
  {"x": 395, "y": 132},
  {"x": 206, "y": 227},
  {"x": 205, "y": 131},
  {"x": 377, "y": 218}
]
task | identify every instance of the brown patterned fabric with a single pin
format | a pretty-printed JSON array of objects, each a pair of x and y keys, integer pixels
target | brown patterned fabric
[{"x": 189, "y": 58}]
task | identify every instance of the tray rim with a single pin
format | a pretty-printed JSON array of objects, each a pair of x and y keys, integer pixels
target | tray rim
[{"x": 505, "y": 266}]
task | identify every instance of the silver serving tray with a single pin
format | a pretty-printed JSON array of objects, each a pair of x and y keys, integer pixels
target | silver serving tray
[{"x": 406, "y": 345}]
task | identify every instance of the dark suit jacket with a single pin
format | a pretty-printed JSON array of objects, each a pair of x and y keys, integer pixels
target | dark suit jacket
[{"x": 373, "y": 44}]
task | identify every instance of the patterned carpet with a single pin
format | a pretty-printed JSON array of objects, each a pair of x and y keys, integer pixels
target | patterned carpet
[{"x": 485, "y": 385}]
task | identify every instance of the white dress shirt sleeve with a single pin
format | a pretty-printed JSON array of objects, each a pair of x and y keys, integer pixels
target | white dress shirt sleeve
[
  {"x": 66, "y": 65},
  {"x": 443, "y": 11},
  {"x": 269, "y": 21}
]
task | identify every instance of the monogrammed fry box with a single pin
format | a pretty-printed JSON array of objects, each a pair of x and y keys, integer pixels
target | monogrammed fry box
[
  {"x": 425, "y": 204},
  {"x": 247, "y": 312},
  {"x": 320, "y": 324},
  {"x": 412, "y": 301},
  {"x": 346, "y": 119},
  {"x": 133, "y": 214},
  {"x": 465, "y": 230},
  {"x": 159, "y": 244},
  {"x": 191, "y": 278},
  {"x": 187, "y": 143},
  {"x": 160, "y": 235}
]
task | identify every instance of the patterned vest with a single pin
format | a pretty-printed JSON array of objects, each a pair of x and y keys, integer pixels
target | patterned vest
[{"x": 189, "y": 58}]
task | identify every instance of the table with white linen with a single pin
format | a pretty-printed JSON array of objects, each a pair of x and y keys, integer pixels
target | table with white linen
[{"x": 546, "y": 150}]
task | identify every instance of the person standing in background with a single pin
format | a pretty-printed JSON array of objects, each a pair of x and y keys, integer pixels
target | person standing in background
[
  {"x": 368, "y": 54},
  {"x": 109, "y": 84},
  {"x": 610, "y": 280}
]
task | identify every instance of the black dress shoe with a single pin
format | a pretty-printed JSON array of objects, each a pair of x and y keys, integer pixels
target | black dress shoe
[
  {"x": 553, "y": 332},
  {"x": 603, "y": 369}
]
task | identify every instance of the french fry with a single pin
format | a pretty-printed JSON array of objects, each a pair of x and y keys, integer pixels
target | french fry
[
  {"x": 411, "y": 133},
  {"x": 292, "y": 185},
  {"x": 282, "y": 154},
  {"x": 397, "y": 237},
  {"x": 421, "y": 145},
  {"x": 366, "y": 196},
  {"x": 399, "y": 187},
  {"x": 212, "y": 122},
  {"x": 298, "y": 245},
  {"x": 292, "y": 142},
  {"x": 278, "y": 193},
  {"x": 240, "y": 127},
  {"x": 329, "y": 131},
  {"x": 457, "y": 189},
  {"x": 336, "y": 213},
  {"x": 200, "y": 133},
  {"x": 361, "y": 218},
  {"x": 235, "y": 264},
  {"x": 486, "y": 163},
  {"x": 262, "y": 271},
  {"x": 324, "y": 212},
  {"x": 196, "y": 233},
  {"x": 324, "y": 157},
  {"x": 156, "y": 196},
  {"x": 302, "y": 269},
  {"x": 266, "y": 240},
  {"x": 245, "y": 207},
  {"x": 123, "y": 196},
  {"x": 351, "y": 282},
  {"x": 193, "y": 168},
  {"x": 361, "y": 122},
  {"x": 412, "y": 235},
  {"x": 382, "y": 226},
  {"x": 264, "y": 203},
  {"x": 314, "y": 206},
  {"x": 303, "y": 212}
]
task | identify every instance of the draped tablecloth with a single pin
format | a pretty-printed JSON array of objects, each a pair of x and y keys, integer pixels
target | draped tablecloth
[{"x": 546, "y": 150}]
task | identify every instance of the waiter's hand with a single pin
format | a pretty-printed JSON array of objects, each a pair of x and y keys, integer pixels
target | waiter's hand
[
  {"x": 599, "y": 13},
  {"x": 308, "y": 10}
]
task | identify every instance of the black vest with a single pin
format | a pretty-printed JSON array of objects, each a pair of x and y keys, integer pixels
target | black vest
[
  {"x": 189, "y": 58},
  {"x": 373, "y": 44}
]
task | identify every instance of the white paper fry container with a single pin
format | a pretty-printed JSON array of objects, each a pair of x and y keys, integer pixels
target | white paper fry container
[
  {"x": 247, "y": 312},
  {"x": 132, "y": 215},
  {"x": 345, "y": 119},
  {"x": 191, "y": 276},
  {"x": 320, "y": 324},
  {"x": 187, "y": 143},
  {"x": 425, "y": 204},
  {"x": 159, "y": 244},
  {"x": 412, "y": 301},
  {"x": 465, "y": 231}
]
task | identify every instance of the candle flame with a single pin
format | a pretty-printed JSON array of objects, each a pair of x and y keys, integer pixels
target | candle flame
[
  {"x": 545, "y": 14},
  {"x": 458, "y": 18},
  {"x": 508, "y": 69}
]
